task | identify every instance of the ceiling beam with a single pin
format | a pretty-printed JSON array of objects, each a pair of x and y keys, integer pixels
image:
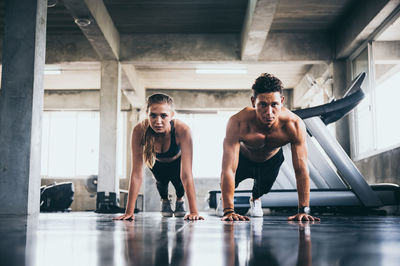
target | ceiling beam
[
  {"x": 136, "y": 93},
  {"x": 362, "y": 22},
  {"x": 73, "y": 100},
  {"x": 223, "y": 47},
  {"x": 101, "y": 32},
  {"x": 285, "y": 46},
  {"x": 309, "y": 48},
  {"x": 207, "y": 99},
  {"x": 258, "y": 20}
]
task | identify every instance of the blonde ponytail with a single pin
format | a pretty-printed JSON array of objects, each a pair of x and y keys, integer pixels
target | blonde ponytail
[{"x": 148, "y": 139}]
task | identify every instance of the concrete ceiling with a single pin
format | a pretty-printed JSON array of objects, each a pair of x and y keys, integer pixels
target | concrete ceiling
[
  {"x": 163, "y": 42},
  {"x": 309, "y": 15},
  {"x": 204, "y": 16}
]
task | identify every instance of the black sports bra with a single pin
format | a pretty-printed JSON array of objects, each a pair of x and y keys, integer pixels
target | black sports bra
[{"x": 174, "y": 149}]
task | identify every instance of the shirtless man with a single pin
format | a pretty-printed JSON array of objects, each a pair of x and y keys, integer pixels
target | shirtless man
[{"x": 252, "y": 149}]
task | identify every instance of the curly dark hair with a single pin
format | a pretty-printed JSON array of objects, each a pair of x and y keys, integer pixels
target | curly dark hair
[{"x": 267, "y": 83}]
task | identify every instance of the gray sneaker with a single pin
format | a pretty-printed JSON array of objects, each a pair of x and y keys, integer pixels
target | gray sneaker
[
  {"x": 166, "y": 210},
  {"x": 180, "y": 209}
]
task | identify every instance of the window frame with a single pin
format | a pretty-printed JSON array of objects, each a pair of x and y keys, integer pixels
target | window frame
[{"x": 354, "y": 129}]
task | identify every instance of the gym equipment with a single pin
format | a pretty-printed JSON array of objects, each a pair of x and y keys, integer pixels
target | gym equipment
[
  {"x": 334, "y": 179},
  {"x": 56, "y": 197},
  {"x": 91, "y": 185}
]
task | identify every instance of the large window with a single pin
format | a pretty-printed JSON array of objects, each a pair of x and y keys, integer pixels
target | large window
[
  {"x": 363, "y": 116},
  {"x": 375, "y": 125},
  {"x": 70, "y": 144},
  {"x": 387, "y": 91},
  {"x": 208, "y": 132}
]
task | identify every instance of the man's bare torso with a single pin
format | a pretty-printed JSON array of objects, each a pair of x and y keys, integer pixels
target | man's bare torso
[{"x": 259, "y": 143}]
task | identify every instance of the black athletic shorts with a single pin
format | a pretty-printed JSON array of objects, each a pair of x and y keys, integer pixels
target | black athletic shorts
[{"x": 264, "y": 173}]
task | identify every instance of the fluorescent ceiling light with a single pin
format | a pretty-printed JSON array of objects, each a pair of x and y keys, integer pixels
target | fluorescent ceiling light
[
  {"x": 221, "y": 71},
  {"x": 52, "y": 70}
]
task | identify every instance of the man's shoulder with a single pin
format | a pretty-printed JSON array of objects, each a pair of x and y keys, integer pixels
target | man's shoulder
[
  {"x": 245, "y": 114},
  {"x": 292, "y": 123},
  {"x": 288, "y": 116}
]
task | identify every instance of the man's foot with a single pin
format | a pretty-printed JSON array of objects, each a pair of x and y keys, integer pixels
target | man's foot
[
  {"x": 255, "y": 208},
  {"x": 179, "y": 208},
  {"x": 219, "y": 211},
  {"x": 166, "y": 210}
]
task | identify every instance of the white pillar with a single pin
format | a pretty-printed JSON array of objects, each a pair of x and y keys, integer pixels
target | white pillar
[{"x": 110, "y": 106}]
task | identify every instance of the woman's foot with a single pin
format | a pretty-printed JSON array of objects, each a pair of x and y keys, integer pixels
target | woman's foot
[
  {"x": 166, "y": 210},
  {"x": 180, "y": 208}
]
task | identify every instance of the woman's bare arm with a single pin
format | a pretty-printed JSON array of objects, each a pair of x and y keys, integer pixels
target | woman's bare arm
[
  {"x": 136, "y": 172},
  {"x": 184, "y": 138}
]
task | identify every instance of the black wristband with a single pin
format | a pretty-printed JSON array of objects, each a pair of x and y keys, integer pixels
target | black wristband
[
  {"x": 227, "y": 209},
  {"x": 228, "y": 212}
]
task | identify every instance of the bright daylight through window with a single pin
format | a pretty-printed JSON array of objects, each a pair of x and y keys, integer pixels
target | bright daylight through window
[
  {"x": 70, "y": 144},
  {"x": 208, "y": 132},
  {"x": 376, "y": 128}
]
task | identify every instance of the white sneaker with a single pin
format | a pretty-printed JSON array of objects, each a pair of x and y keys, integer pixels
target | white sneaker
[
  {"x": 219, "y": 211},
  {"x": 255, "y": 209}
]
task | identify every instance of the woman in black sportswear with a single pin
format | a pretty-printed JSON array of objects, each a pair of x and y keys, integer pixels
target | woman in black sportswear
[{"x": 164, "y": 144}]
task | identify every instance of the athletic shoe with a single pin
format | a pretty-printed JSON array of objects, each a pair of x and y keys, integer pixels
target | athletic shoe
[
  {"x": 255, "y": 209},
  {"x": 166, "y": 210},
  {"x": 219, "y": 211},
  {"x": 179, "y": 208}
]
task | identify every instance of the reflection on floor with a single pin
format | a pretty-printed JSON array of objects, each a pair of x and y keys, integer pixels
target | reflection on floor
[{"x": 94, "y": 239}]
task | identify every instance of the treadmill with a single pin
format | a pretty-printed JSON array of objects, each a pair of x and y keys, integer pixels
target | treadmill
[{"x": 335, "y": 182}]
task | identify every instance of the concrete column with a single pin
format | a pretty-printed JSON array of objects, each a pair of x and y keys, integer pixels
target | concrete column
[
  {"x": 110, "y": 102},
  {"x": 21, "y": 104}
]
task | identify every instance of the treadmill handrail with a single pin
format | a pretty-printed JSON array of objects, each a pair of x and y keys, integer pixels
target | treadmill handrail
[
  {"x": 345, "y": 166},
  {"x": 333, "y": 111}
]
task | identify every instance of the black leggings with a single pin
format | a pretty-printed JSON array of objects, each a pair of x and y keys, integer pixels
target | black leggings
[
  {"x": 166, "y": 172},
  {"x": 264, "y": 173}
]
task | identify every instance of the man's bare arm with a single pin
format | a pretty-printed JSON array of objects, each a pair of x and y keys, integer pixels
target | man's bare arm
[
  {"x": 299, "y": 158},
  {"x": 230, "y": 160}
]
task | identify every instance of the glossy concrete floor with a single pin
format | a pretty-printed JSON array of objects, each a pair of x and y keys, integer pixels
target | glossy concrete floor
[{"x": 94, "y": 239}]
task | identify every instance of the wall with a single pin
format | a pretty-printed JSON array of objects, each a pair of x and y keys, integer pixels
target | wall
[{"x": 381, "y": 168}]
